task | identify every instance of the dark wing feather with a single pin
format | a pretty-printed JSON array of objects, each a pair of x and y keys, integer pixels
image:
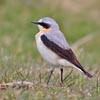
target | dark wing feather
[{"x": 64, "y": 53}]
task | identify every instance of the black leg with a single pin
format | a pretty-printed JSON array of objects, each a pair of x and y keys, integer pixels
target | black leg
[
  {"x": 61, "y": 75},
  {"x": 50, "y": 76}
]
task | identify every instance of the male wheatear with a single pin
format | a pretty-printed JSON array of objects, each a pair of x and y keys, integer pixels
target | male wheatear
[{"x": 54, "y": 48}]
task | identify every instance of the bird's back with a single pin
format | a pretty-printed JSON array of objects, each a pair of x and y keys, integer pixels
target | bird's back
[{"x": 57, "y": 37}]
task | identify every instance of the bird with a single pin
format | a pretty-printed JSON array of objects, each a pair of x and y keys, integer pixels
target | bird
[{"x": 54, "y": 47}]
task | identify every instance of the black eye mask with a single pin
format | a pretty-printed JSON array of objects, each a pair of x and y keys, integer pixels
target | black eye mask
[{"x": 45, "y": 25}]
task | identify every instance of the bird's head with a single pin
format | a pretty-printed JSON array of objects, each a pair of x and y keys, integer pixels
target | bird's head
[{"x": 46, "y": 23}]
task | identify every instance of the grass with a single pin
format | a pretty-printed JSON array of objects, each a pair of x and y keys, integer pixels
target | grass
[{"x": 20, "y": 60}]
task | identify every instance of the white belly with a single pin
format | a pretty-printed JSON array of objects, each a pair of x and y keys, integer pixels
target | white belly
[{"x": 49, "y": 56}]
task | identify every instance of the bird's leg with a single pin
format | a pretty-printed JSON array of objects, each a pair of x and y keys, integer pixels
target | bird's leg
[
  {"x": 50, "y": 75},
  {"x": 61, "y": 69}
]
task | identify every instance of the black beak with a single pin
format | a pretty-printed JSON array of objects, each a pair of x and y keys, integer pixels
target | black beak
[{"x": 34, "y": 22}]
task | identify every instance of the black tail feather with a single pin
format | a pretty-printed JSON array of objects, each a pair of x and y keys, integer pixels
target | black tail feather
[{"x": 88, "y": 74}]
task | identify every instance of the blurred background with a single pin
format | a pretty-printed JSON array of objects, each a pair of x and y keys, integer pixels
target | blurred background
[
  {"x": 79, "y": 20},
  {"x": 76, "y": 19}
]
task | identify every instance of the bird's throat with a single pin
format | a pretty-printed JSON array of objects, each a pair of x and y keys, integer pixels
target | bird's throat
[{"x": 44, "y": 30}]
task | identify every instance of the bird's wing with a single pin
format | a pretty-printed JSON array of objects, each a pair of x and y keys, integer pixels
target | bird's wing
[
  {"x": 58, "y": 38},
  {"x": 63, "y": 53}
]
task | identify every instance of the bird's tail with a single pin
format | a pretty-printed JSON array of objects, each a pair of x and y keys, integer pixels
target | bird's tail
[
  {"x": 88, "y": 74},
  {"x": 80, "y": 67},
  {"x": 85, "y": 72}
]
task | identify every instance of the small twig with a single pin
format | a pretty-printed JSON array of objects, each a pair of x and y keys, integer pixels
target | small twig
[
  {"x": 40, "y": 77},
  {"x": 16, "y": 84},
  {"x": 68, "y": 75}
]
